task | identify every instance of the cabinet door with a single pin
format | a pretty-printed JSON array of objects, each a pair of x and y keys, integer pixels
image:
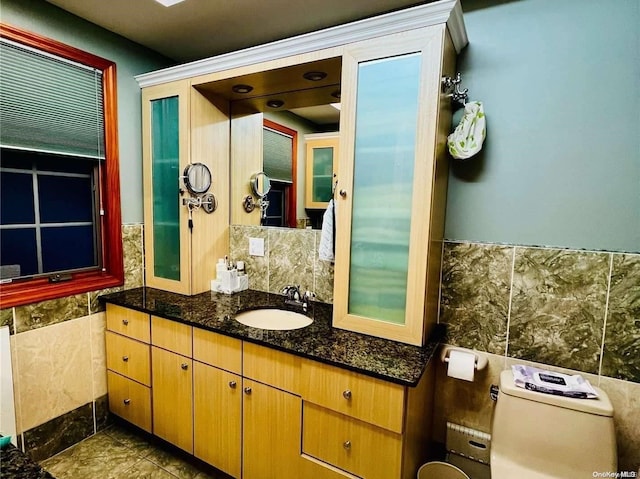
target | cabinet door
[
  {"x": 217, "y": 417},
  {"x": 390, "y": 102},
  {"x": 271, "y": 432},
  {"x": 172, "y": 384},
  {"x": 321, "y": 166},
  {"x": 165, "y": 114}
]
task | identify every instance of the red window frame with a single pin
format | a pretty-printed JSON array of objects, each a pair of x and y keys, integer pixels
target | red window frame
[
  {"x": 112, "y": 273},
  {"x": 291, "y": 212}
]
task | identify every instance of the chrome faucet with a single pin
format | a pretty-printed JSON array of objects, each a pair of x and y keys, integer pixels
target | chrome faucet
[
  {"x": 293, "y": 296},
  {"x": 292, "y": 293}
]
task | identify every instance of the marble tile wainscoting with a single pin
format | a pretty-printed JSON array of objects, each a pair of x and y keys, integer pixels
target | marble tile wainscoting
[
  {"x": 59, "y": 362},
  {"x": 290, "y": 257},
  {"x": 567, "y": 310}
]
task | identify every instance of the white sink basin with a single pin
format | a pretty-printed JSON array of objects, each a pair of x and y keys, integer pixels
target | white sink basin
[{"x": 276, "y": 319}]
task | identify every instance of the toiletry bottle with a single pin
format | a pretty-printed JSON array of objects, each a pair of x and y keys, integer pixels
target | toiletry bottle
[
  {"x": 240, "y": 268},
  {"x": 221, "y": 267}
]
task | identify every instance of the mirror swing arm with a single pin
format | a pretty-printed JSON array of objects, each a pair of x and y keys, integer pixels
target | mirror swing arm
[
  {"x": 196, "y": 178},
  {"x": 260, "y": 187}
]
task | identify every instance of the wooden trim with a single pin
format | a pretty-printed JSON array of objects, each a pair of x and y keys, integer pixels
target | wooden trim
[
  {"x": 110, "y": 188},
  {"x": 53, "y": 46},
  {"x": 31, "y": 291},
  {"x": 291, "y": 192},
  {"x": 440, "y": 12}
]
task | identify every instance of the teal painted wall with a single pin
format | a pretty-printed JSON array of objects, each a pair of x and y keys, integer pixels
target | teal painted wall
[
  {"x": 561, "y": 163},
  {"x": 131, "y": 59}
]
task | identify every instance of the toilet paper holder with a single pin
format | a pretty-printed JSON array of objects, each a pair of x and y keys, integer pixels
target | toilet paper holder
[{"x": 480, "y": 362}]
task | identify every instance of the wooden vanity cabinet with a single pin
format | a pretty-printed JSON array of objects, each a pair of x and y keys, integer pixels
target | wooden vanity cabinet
[
  {"x": 180, "y": 126},
  {"x": 359, "y": 426},
  {"x": 272, "y": 414},
  {"x": 128, "y": 365},
  {"x": 217, "y": 401},
  {"x": 392, "y": 183},
  {"x": 172, "y": 382},
  {"x": 258, "y": 413}
]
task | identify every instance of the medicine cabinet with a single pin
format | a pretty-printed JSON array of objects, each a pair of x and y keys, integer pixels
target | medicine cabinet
[
  {"x": 181, "y": 128},
  {"x": 392, "y": 184}
]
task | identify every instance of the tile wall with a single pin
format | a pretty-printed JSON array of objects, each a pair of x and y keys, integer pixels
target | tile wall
[
  {"x": 571, "y": 311},
  {"x": 59, "y": 362},
  {"x": 290, "y": 257},
  {"x": 560, "y": 309}
]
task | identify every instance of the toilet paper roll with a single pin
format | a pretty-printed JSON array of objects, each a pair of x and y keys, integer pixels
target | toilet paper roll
[{"x": 462, "y": 365}]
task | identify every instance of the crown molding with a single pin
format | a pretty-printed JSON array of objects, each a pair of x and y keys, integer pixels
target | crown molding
[{"x": 442, "y": 11}]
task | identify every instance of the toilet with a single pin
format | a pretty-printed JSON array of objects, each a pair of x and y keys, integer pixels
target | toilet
[{"x": 544, "y": 436}]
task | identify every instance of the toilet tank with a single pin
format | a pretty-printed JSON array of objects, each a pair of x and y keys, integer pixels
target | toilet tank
[{"x": 544, "y": 435}]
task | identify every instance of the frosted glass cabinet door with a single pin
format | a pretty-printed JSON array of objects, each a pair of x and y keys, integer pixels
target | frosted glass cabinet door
[
  {"x": 165, "y": 153},
  {"x": 385, "y": 137},
  {"x": 165, "y": 168},
  {"x": 390, "y": 97}
]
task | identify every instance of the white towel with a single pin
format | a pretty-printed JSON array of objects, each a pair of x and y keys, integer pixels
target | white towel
[
  {"x": 467, "y": 138},
  {"x": 326, "y": 247}
]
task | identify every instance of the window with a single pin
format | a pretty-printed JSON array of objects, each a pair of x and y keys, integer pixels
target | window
[
  {"x": 279, "y": 163},
  {"x": 60, "y": 223}
]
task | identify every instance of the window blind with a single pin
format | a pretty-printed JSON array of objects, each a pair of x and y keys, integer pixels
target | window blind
[
  {"x": 49, "y": 104},
  {"x": 277, "y": 156}
]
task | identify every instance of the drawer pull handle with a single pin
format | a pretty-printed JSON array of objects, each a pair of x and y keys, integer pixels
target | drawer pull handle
[
  {"x": 125, "y": 358},
  {"x": 125, "y": 322},
  {"x": 127, "y": 402},
  {"x": 247, "y": 390},
  {"x": 184, "y": 366},
  {"x": 343, "y": 193},
  {"x": 346, "y": 444},
  {"x": 232, "y": 384},
  {"x": 346, "y": 394}
]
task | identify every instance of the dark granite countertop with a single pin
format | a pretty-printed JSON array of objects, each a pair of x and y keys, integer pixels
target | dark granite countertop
[
  {"x": 15, "y": 464},
  {"x": 381, "y": 358}
]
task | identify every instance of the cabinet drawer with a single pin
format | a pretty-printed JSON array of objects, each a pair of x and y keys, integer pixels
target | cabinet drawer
[
  {"x": 355, "y": 446},
  {"x": 268, "y": 366},
  {"x": 128, "y": 322},
  {"x": 217, "y": 350},
  {"x": 371, "y": 400},
  {"x": 171, "y": 335},
  {"x": 129, "y": 358},
  {"x": 129, "y": 400}
]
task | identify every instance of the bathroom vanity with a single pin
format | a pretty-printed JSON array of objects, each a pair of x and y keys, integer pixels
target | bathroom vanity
[
  {"x": 313, "y": 402},
  {"x": 389, "y": 74}
]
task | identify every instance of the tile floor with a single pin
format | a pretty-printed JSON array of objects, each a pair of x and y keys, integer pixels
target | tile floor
[{"x": 121, "y": 452}]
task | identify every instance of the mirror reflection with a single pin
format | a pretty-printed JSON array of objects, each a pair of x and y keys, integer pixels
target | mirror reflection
[
  {"x": 301, "y": 175},
  {"x": 260, "y": 184},
  {"x": 272, "y": 113}
]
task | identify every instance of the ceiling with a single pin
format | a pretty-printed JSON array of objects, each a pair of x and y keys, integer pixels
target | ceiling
[{"x": 196, "y": 29}]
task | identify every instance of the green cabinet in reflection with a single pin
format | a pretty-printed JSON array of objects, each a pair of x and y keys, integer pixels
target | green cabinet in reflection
[
  {"x": 392, "y": 184},
  {"x": 321, "y": 168}
]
